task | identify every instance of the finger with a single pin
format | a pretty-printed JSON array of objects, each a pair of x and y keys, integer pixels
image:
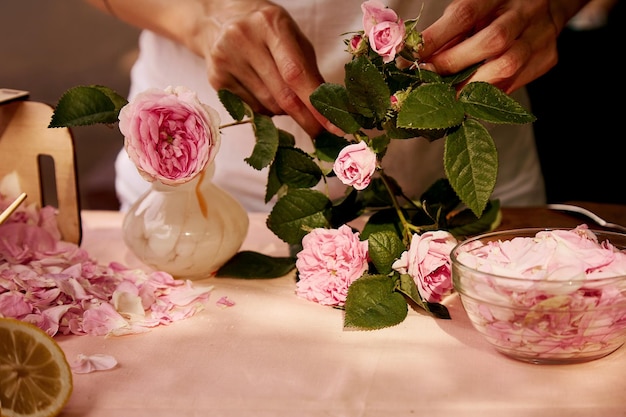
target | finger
[
  {"x": 231, "y": 84},
  {"x": 295, "y": 60},
  {"x": 236, "y": 72},
  {"x": 260, "y": 84},
  {"x": 518, "y": 66},
  {"x": 274, "y": 67},
  {"x": 505, "y": 70},
  {"x": 491, "y": 41},
  {"x": 458, "y": 20},
  {"x": 290, "y": 87}
]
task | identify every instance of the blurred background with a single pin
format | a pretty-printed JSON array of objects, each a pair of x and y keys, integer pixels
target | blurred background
[
  {"x": 49, "y": 46},
  {"x": 580, "y": 142}
]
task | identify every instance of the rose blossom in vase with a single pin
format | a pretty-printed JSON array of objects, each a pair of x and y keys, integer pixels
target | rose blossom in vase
[
  {"x": 184, "y": 224},
  {"x": 169, "y": 134}
]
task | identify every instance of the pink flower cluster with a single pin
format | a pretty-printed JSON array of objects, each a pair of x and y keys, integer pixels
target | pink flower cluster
[
  {"x": 169, "y": 134},
  {"x": 386, "y": 34},
  {"x": 428, "y": 262},
  {"x": 566, "y": 294},
  {"x": 56, "y": 286},
  {"x": 384, "y": 29},
  {"x": 330, "y": 260}
]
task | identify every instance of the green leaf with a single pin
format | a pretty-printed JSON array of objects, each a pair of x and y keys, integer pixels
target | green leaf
[
  {"x": 429, "y": 76},
  {"x": 471, "y": 164},
  {"x": 346, "y": 209},
  {"x": 431, "y": 106},
  {"x": 407, "y": 286},
  {"x": 438, "y": 310},
  {"x": 328, "y": 146},
  {"x": 382, "y": 221},
  {"x": 373, "y": 304},
  {"x": 395, "y": 132},
  {"x": 331, "y": 100},
  {"x": 461, "y": 76},
  {"x": 285, "y": 138},
  {"x": 87, "y": 105},
  {"x": 384, "y": 248},
  {"x": 273, "y": 183},
  {"x": 380, "y": 143},
  {"x": 266, "y": 145},
  {"x": 440, "y": 193},
  {"x": 427, "y": 218},
  {"x": 367, "y": 90},
  {"x": 377, "y": 195},
  {"x": 235, "y": 106},
  {"x": 249, "y": 264},
  {"x": 487, "y": 102},
  {"x": 465, "y": 223},
  {"x": 296, "y": 168},
  {"x": 297, "y": 213}
]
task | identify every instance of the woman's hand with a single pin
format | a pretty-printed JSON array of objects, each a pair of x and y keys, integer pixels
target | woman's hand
[
  {"x": 256, "y": 50},
  {"x": 516, "y": 39}
]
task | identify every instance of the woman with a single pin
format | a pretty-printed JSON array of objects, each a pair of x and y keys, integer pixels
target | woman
[{"x": 274, "y": 54}]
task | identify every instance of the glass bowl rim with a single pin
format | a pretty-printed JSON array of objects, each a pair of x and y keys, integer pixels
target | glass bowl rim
[{"x": 530, "y": 232}]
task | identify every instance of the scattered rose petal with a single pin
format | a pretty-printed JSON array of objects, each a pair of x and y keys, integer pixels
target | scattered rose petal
[
  {"x": 225, "y": 302},
  {"x": 58, "y": 287},
  {"x": 86, "y": 364}
]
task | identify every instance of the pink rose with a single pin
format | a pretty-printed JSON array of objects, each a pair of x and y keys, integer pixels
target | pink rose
[
  {"x": 383, "y": 27},
  {"x": 169, "y": 134},
  {"x": 398, "y": 99},
  {"x": 357, "y": 45},
  {"x": 355, "y": 165},
  {"x": 428, "y": 262},
  {"x": 375, "y": 12},
  {"x": 330, "y": 260},
  {"x": 395, "y": 103}
]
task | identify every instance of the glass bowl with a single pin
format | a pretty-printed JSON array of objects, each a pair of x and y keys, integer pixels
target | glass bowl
[{"x": 548, "y": 296}]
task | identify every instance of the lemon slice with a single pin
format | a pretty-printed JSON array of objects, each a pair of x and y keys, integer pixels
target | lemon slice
[{"x": 35, "y": 378}]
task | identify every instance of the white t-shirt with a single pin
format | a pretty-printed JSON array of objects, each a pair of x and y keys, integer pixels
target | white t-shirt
[{"x": 414, "y": 163}]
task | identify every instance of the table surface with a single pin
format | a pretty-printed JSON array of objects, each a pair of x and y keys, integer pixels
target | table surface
[{"x": 274, "y": 354}]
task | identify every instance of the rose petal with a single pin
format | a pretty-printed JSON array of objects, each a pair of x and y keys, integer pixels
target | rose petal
[{"x": 98, "y": 362}]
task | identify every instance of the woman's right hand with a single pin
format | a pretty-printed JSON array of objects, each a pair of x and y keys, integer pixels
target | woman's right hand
[{"x": 256, "y": 50}]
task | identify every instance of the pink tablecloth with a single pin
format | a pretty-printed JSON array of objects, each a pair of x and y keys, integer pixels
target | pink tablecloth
[{"x": 273, "y": 354}]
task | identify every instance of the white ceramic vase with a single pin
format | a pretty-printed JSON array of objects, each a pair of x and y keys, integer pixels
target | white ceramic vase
[{"x": 189, "y": 230}]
